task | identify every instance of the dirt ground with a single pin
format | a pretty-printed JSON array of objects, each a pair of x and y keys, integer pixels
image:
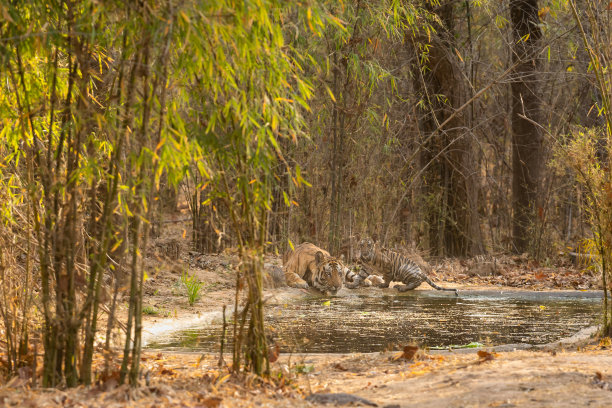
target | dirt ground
[
  {"x": 560, "y": 378},
  {"x": 575, "y": 373}
]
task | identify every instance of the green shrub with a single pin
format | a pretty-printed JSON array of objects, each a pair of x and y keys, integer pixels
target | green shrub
[
  {"x": 150, "y": 310},
  {"x": 192, "y": 286}
]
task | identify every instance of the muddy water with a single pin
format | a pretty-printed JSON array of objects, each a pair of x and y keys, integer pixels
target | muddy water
[{"x": 369, "y": 322}]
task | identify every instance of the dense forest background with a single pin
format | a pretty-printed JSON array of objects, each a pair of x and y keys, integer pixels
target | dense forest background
[
  {"x": 455, "y": 127},
  {"x": 441, "y": 136},
  {"x": 435, "y": 126}
]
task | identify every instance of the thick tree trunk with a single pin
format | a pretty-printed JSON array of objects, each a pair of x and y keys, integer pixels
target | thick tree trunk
[
  {"x": 337, "y": 158},
  {"x": 526, "y": 135},
  {"x": 448, "y": 186}
]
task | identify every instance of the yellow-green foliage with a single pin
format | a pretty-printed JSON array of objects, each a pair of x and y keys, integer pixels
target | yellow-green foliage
[
  {"x": 98, "y": 100},
  {"x": 587, "y": 153}
]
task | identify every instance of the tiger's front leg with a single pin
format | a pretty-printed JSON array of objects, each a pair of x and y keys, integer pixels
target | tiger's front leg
[
  {"x": 293, "y": 280},
  {"x": 385, "y": 283},
  {"x": 352, "y": 280},
  {"x": 353, "y": 284}
]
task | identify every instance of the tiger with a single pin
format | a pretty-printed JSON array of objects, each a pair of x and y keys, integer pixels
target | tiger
[
  {"x": 354, "y": 279},
  {"x": 395, "y": 267},
  {"x": 310, "y": 266},
  {"x": 360, "y": 278}
]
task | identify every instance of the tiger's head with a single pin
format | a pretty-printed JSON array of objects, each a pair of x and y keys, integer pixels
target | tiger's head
[
  {"x": 329, "y": 272},
  {"x": 365, "y": 250}
]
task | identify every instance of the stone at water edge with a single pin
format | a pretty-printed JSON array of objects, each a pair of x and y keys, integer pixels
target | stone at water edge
[{"x": 339, "y": 399}]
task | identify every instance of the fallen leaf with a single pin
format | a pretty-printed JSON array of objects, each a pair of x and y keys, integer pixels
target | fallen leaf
[
  {"x": 485, "y": 355},
  {"x": 211, "y": 402},
  {"x": 224, "y": 379},
  {"x": 539, "y": 275},
  {"x": 167, "y": 371},
  {"x": 273, "y": 352},
  {"x": 408, "y": 353}
]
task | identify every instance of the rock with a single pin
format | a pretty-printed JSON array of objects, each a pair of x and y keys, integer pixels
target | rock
[
  {"x": 274, "y": 277},
  {"x": 583, "y": 260},
  {"x": 483, "y": 269},
  {"x": 339, "y": 399}
]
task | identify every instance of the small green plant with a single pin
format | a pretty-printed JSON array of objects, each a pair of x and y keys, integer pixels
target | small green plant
[
  {"x": 192, "y": 286},
  {"x": 304, "y": 368},
  {"x": 150, "y": 310},
  {"x": 473, "y": 344}
]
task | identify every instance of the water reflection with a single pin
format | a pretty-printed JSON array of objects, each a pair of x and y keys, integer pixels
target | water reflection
[{"x": 373, "y": 323}]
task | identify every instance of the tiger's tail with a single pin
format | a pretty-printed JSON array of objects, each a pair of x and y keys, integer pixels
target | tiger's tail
[{"x": 433, "y": 285}]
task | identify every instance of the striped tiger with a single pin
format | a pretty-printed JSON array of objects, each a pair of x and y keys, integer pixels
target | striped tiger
[
  {"x": 394, "y": 267},
  {"x": 355, "y": 278},
  {"x": 308, "y": 265}
]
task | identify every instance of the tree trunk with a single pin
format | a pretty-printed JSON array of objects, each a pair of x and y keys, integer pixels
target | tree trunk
[
  {"x": 337, "y": 130},
  {"x": 447, "y": 188},
  {"x": 526, "y": 135}
]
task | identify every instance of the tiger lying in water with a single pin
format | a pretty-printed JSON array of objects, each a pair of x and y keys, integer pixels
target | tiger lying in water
[
  {"x": 308, "y": 265},
  {"x": 394, "y": 267}
]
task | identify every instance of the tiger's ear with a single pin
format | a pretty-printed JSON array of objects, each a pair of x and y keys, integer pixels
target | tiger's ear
[{"x": 319, "y": 257}]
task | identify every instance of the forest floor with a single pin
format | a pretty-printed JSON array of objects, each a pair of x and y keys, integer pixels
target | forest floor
[{"x": 573, "y": 373}]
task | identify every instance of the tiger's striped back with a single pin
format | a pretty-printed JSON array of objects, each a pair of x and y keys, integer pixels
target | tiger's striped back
[{"x": 395, "y": 267}]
